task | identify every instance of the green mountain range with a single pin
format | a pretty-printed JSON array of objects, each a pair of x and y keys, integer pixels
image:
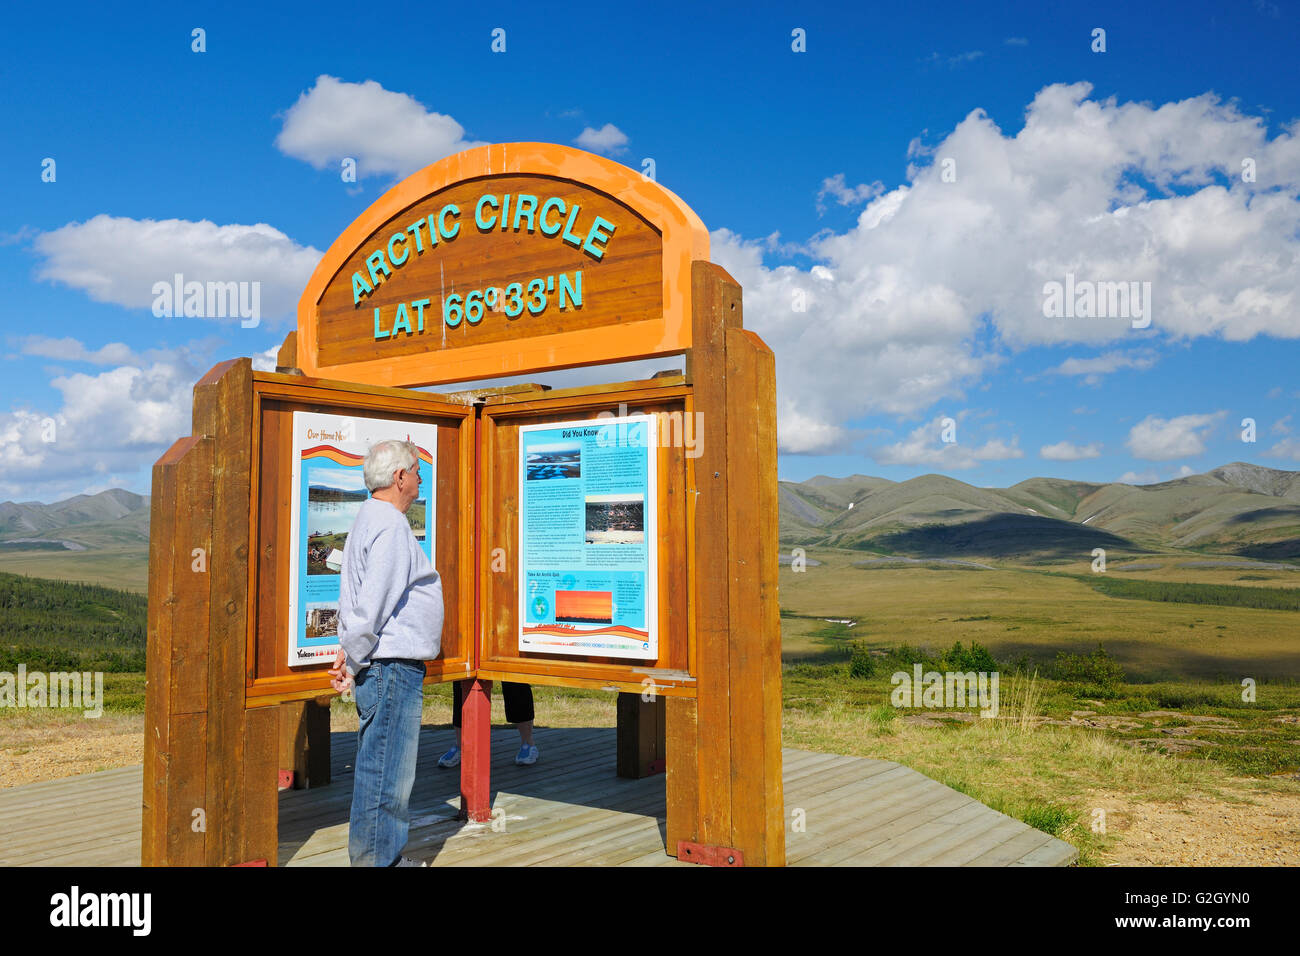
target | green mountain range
[{"x": 1240, "y": 509}]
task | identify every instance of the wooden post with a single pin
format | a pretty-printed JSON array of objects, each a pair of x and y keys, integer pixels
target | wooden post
[
  {"x": 176, "y": 686},
  {"x": 476, "y": 750},
  {"x": 724, "y": 749},
  {"x": 305, "y": 742},
  {"x": 210, "y": 768},
  {"x": 640, "y": 739}
]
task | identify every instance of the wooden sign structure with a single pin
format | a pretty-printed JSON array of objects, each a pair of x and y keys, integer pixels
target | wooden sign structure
[{"x": 502, "y": 260}]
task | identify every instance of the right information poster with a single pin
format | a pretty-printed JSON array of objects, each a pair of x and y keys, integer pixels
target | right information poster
[{"x": 588, "y": 581}]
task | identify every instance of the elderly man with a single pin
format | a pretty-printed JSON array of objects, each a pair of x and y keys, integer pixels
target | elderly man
[{"x": 390, "y": 623}]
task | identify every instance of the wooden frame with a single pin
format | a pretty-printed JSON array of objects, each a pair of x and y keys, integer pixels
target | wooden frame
[
  {"x": 499, "y": 658},
  {"x": 270, "y": 680},
  {"x": 683, "y": 236},
  {"x": 213, "y": 727}
]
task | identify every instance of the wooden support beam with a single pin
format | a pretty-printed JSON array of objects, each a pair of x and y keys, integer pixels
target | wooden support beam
[
  {"x": 210, "y": 769},
  {"x": 175, "y": 671},
  {"x": 682, "y": 787},
  {"x": 724, "y": 752},
  {"x": 758, "y": 812},
  {"x": 286, "y": 360},
  {"x": 640, "y": 745},
  {"x": 305, "y": 742},
  {"x": 715, "y": 298}
]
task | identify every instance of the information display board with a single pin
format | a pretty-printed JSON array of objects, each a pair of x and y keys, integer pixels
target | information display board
[
  {"x": 328, "y": 488},
  {"x": 588, "y": 575}
]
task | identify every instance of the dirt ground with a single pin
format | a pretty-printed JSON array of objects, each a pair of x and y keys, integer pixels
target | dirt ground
[
  {"x": 32, "y": 748},
  {"x": 1204, "y": 832},
  {"x": 1198, "y": 832}
]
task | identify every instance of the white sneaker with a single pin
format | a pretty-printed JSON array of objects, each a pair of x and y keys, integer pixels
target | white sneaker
[
  {"x": 450, "y": 759},
  {"x": 527, "y": 755}
]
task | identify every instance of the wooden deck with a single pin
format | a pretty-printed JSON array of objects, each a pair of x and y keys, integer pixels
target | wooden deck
[{"x": 568, "y": 809}]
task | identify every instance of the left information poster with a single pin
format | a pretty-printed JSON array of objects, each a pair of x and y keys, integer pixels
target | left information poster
[{"x": 327, "y": 490}]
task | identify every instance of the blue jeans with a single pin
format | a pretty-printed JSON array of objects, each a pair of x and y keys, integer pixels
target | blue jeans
[{"x": 389, "y": 696}]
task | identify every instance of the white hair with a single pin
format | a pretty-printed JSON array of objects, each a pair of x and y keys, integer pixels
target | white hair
[{"x": 386, "y": 457}]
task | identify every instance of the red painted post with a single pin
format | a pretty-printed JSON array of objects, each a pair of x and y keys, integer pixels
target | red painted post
[
  {"x": 476, "y": 695},
  {"x": 476, "y": 750}
]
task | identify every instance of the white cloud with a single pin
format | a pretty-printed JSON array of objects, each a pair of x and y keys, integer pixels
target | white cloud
[
  {"x": 609, "y": 139},
  {"x": 1159, "y": 439},
  {"x": 1138, "y": 478},
  {"x": 1282, "y": 426},
  {"x": 1093, "y": 369},
  {"x": 387, "y": 133},
  {"x": 117, "y": 259},
  {"x": 933, "y": 271},
  {"x": 923, "y": 446},
  {"x": 844, "y": 194},
  {"x": 1286, "y": 448},
  {"x": 70, "y": 350},
  {"x": 960, "y": 59},
  {"x": 1016, "y": 41},
  {"x": 797, "y": 434},
  {"x": 108, "y": 426},
  {"x": 1066, "y": 451},
  {"x": 266, "y": 361}
]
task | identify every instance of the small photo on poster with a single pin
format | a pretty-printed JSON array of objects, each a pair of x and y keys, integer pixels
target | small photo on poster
[
  {"x": 584, "y": 607},
  {"x": 555, "y": 460},
  {"x": 615, "y": 519},
  {"x": 322, "y": 619},
  {"x": 416, "y": 516},
  {"x": 334, "y": 497}
]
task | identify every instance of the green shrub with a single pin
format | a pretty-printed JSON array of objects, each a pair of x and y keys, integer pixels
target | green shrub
[
  {"x": 977, "y": 658},
  {"x": 861, "y": 665},
  {"x": 1097, "y": 668}
]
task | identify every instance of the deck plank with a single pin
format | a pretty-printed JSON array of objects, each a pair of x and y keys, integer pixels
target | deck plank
[{"x": 569, "y": 809}]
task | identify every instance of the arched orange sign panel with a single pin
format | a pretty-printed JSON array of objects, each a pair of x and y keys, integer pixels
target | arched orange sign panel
[{"x": 502, "y": 260}]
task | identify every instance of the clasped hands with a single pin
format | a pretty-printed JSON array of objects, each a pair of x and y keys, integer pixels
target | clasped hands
[{"x": 340, "y": 679}]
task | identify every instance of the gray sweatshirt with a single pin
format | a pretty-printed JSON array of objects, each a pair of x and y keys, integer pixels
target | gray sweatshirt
[{"x": 390, "y": 596}]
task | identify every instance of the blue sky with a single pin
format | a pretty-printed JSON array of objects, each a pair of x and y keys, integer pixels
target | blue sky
[{"x": 819, "y": 174}]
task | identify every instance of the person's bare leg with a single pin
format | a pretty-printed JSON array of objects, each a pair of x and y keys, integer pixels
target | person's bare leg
[{"x": 526, "y": 732}]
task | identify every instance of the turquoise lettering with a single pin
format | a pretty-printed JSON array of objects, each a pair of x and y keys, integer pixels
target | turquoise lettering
[
  {"x": 405, "y": 252},
  {"x": 596, "y": 235},
  {"x": 419, "y": 305},
  {"x": 571, "y": 292},
  {"x": 555, "y": 202},
  {"x": 360, "y": 287},
  {"x": 414, "y": 229},
  {"x": 433, "y": 232},
  {"x": 443, "y": 231},
  {"x": 403, "y": 321},
  {"x": 378, "y": 254},
  {"x": 525, "y": 205},
  {"x": 489, "y": 200},
  {"x": 378, "y": 333},
  {"x": 568, "y": 236}
]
